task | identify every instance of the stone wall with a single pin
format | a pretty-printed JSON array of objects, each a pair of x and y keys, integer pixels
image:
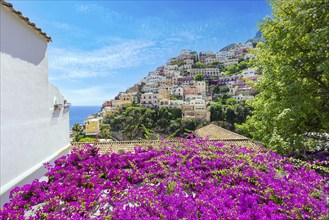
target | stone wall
[{"x": 128, "y": 146}]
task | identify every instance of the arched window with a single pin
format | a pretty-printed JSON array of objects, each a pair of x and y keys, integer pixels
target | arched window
[{"x": 55, "y": 100}]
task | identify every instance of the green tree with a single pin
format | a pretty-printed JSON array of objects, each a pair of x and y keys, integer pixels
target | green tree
[
  {"x": 105, "y": 131},
  {"x": 175, "y": 125},
  {"x": 77, "y": 131},
  {"x": 78, "y": 137},
  {"x": 199, "y": 77},
  {"x": 165, "y": 116},
  {"x": 199, "y": 65},
  {"x": 77, "y": 128},
  {"x": 230, "y": 70},
  {"x": 216, "y": 112},
  {"x": 224, "y": 90},
  {"x": 189, "y": 124},
  {"x": 294, "y": 90},
  {"x": 216, "y": 90},
  {"x": 230, "y": 101}
]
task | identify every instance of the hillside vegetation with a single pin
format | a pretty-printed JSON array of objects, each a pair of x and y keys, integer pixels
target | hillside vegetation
[{"x": 291, "y": 113}]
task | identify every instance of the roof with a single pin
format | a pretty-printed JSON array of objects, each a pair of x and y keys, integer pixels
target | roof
[
  {"x": 215, "y": 132},
  {"x": 25, "y": 19}
]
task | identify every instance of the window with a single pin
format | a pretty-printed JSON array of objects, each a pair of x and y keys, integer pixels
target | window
[{"x": 55, "y": 100}]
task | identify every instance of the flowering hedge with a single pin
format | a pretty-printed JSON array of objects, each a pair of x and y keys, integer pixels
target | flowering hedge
[{"x": 190, "y": 179}]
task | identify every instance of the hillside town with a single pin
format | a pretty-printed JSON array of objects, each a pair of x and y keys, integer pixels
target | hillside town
[{"x": 191, "y": 82}]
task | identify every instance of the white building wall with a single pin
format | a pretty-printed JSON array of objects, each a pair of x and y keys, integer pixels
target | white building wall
[{"x": 31, "y": 131}]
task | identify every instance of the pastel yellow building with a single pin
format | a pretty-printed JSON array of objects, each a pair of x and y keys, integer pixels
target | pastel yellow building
[
  {"x": 201, "y": 87},
  {"x": 164, "y": 93},
  {"x": 121, "y": 103},
  {"x": 92, "y": 126},
  {"x": 108, "y": 111},
  {"x": 129, "y": 97}
]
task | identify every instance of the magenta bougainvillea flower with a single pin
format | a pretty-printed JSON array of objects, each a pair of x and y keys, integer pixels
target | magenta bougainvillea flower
[{"x": 189, "y": 179}]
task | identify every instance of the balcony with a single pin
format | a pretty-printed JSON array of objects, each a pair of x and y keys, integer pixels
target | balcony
[{"x": 67, "y": 105}]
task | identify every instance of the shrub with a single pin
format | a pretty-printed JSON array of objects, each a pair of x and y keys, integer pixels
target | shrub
[{"x": 188, "y": 179}]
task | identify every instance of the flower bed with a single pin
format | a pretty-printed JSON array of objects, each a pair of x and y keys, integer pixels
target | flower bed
[{"x": 192, "y": 179}]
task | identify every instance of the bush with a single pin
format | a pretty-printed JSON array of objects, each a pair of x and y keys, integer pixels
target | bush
[
  {"x": 188, "y": 179},
  {"x": 87, "y": 139}
]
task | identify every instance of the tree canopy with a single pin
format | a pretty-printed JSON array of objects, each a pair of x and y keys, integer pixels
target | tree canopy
[
  {"x": 294, "y": 88},
  {"x": 139, "y": 122},
  {"x": 230, "y": 112},
  {"x": 199, "y": 77},
  {"x": 199, "y": 65},
  {"x": 105, "y": 131}
]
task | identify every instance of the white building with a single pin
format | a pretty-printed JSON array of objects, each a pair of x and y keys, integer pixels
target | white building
[
  {"x": 190, "y": 97},
  {"x": 178, "y": 91},
  {"x": 171, "y": 73},
  {"x": 210, "y": 60},
  {"x": 171, "y": 103},
  {"x": 196, "y": 109},
  {"x": 185, "y": 66},
  {"x": 185, "y": 52},
  {"x": 189, "y": 61},
  {"x": 34, "y": 118},
  {"x": 242, "y": 98},
  {"x": 230, "y": 62},
  {"x": 209, "y": 72},
  {"x": 171, "y": 67},
  {"x": 233, "y": 89},
  {"x": 249, "y": 72},
  {"x": 223, "y": 55}
]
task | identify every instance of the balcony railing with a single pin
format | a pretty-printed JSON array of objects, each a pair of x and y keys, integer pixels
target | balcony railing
[{"x": 67, "y": 105}]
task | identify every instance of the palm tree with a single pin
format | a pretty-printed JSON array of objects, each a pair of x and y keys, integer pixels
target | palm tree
[
  {"x": 77, "y": 128},
  {"x": 105, "y": 131}
]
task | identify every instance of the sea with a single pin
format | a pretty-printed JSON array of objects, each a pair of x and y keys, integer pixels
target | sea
[{"x": 78, "y": 114}]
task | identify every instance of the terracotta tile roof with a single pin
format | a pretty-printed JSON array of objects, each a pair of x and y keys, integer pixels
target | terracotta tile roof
[
  {"x": 215, "y": 132},
  {"x": 25, "y": 19}
]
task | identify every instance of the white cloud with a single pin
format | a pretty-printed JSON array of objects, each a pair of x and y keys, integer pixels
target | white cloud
[
  {"x": 189, "y": 36},
  {"x": 68, "y": 28},
  {"x": 78, "y": 64},
  {"x": 105, "y": 14},
  {"x": 94, "y": 95},
  {"x": 82, "y": 8},
  {"x": 61, "y": 25}
]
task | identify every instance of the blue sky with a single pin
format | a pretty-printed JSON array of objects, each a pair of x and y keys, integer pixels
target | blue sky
[{"x": 100, "y": 48}]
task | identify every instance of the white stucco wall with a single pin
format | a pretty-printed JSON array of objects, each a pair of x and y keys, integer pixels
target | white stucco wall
[{"x": 31, "y": 131}]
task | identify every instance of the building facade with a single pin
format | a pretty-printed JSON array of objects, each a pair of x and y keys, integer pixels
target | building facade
[
  {"x": 34, "y": 115},
  {"x": 92, "y": 125},
  {"x": 151, "y": 99}
]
